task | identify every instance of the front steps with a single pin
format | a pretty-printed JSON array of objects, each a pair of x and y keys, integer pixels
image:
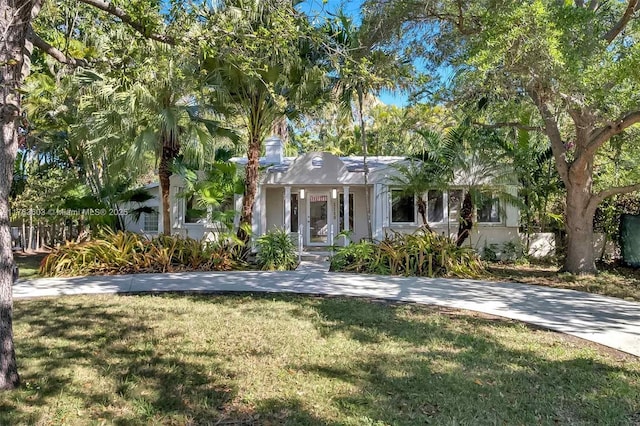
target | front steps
[{"x": 315, "y": 255}]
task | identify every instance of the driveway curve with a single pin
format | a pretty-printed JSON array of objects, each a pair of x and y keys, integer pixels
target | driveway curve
[{"x": 605, "y": 320}]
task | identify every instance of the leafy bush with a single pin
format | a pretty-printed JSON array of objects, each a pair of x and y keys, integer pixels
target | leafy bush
[
  {"x": 490, "y": 253},
  {"x": 127, "y": 253},
  {"x": 509, "y": 252},
  {"x": 276, "y": 251},
  {"x": 418, "y": 254}
]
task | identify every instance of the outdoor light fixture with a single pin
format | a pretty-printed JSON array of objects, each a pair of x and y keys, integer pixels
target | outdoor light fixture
[
  {"x": 334, "y": 193},
  {"x": 302, "y": 194}
]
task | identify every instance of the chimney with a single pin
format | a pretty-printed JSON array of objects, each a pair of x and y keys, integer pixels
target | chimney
[{"x": 274, "y": 150}]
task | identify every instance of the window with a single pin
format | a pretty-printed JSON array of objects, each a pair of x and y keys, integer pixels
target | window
[
  {"x": 194, "y": 213},
  {"x": 455, "y": 203},
  {"x": 435, "y": 206},
  {"x": 317, "y": 162},
  {"x": 403, "y": 207},
  {"x": 341, "y": 210},
  {"x": 294, "y": 212},
  {"x": 488, "y": 209},
  {"x": 150, "y": 222}
]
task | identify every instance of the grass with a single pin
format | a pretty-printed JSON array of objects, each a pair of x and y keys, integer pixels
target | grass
[
  {"x": 283, "y": 359},
  {"x": 29, "y": 264},
  {"x": 612, "y": 280}
]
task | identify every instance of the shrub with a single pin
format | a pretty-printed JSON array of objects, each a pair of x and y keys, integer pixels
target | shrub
[
  {"x": 418, "y": 254},
  {"x": 127, "y": 253},
  {"x": 490, "y": 253},
  {"x": 356, "y": 257},
  {"x": 276, "y": 251}
]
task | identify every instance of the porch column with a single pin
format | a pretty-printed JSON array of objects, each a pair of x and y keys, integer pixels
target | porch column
[
  {"x": 263, "y": 210},
  {"x": 256, "y": 220},
  {"x": 345, "y": 197},
  {"x": 287, "y": 209},
  {"x": 378, "y": 219}
]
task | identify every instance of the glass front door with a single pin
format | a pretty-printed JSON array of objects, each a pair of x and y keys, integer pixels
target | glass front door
[{"x": 318, "y": 209}]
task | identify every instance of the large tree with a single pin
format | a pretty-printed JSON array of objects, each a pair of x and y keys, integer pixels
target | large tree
[
  {"x": 162, "y": 112},
  {"x": 16, "y": 44},
  {"x": 572, "y": 66},
  {"x": 267, "y": 69},
  {"x": 362, "y": 70}
]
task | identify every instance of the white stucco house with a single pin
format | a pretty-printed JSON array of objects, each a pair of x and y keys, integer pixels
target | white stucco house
[{"x": 311, "y": 195}]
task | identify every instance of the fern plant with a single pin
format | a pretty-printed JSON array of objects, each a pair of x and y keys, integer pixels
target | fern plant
[{"x": 276, "y": 251}]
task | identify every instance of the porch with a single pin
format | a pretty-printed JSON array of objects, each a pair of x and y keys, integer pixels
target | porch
[{"x": 314, "y": 215}]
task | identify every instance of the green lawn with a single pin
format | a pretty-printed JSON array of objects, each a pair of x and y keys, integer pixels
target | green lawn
[
  {"x": 29, "y": 264},
  {"x": 242, "y": 359}
]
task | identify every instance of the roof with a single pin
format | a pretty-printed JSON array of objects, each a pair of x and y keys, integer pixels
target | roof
[
  {"x": 353, "y": 163},
  {"x": 324, "y": 168}
]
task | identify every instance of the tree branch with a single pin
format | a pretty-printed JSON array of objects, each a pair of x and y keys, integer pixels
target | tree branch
[
  {"x": 632, "y": 6},
  {"x": 53, "y": 52},
  {"x": 553, "y": 133},
  {"x": 602, "y": 195},
  {"x": 599, "y": 137},
  {"x": 111, "y": 9},
  {"x": 514, "y": 124}
]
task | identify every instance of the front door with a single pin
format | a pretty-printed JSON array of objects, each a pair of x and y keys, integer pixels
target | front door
[{"x": 318, "y": 219}]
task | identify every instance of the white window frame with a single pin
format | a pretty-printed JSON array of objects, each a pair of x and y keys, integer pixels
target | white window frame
[
  {"x": 145, "y": 219},
  {"x": 415, "y": 208},
  {"x": 501, "y": 212}
]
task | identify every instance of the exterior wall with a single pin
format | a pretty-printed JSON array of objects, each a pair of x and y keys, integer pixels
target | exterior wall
[
  {"x": 540, "y": 244},
  {"x": 322, "y": 172},
  {"x": 275, "y": 208},
  {"x": 484, "y": 236}
]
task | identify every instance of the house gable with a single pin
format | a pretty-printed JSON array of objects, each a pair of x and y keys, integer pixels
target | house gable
[{"x": 314, "y": 168}]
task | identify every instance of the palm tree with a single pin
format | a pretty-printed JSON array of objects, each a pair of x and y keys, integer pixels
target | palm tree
[
  {"x": 466, "y": 157},
  {"x": 431, "y": 169},
  {"x": 360, "y": 71},
  {"x": 483, "y": 168},
  {"x": 160, "y": 113},
  {"x": 268, "y": 70}
]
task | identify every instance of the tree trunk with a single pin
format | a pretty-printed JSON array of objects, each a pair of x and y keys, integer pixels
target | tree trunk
[
  {"x": 580, "y": 257},
  {"x": 250, "y": 185},
  {"x": 363, "y": 138},
  {"x": 30, "y": 241},
  {"x": 38, "y": 227},
  {"x": 23, "y": 236},
  {"x": 422, "y": 211},
  {"x": 164, "y": 175},
  {"x": 466, "y": 220},
  {"x": 15, "y": 20}
]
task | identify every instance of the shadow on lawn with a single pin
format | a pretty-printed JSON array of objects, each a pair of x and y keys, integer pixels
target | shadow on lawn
[
  {"x": 152, "y": 387},
  {"x": 451, "y": 369},
  {"x": 91, "y": 336},
  {"x": 458, "y": 372}
]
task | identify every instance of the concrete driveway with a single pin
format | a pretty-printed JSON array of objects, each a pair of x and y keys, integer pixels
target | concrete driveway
[{"x": 605, "y": 320}]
